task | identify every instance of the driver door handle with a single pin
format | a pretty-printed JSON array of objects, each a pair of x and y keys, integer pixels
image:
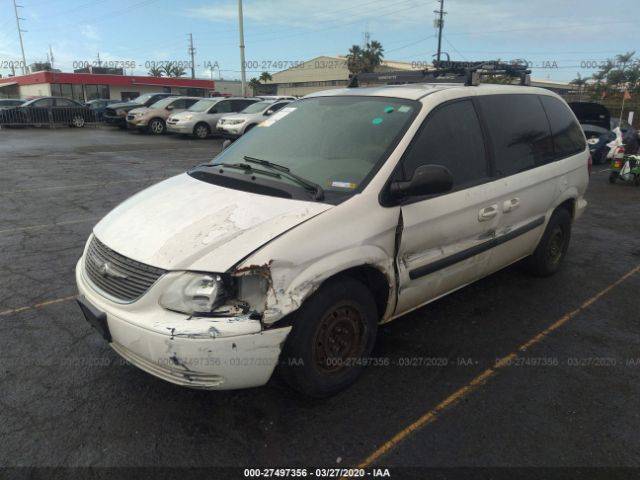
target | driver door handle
[
  {"x": 510, "y": 205},
  {"x": 488, "y": 213}
]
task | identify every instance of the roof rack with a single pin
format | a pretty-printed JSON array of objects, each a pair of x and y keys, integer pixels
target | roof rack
[{"x": 467, "y": 73}]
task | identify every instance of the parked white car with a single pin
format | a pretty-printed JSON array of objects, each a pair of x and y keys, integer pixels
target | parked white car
[
  {"x": 234, "y": 126},
  {"x": 201, "y": 119},
  {"x": 342, "y": 211}
]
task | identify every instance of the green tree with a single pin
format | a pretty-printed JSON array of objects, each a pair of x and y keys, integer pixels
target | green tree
[
  {"x": 254, "y": 83},
  {"x": 624, "y": 59},
  {"x": 178, "y": 71},
  {"x": 167, "y": 69},
  {"x": 365, "y": 59},
  {"x": 155, "y": 72},
  {"x": 265, "y": 77},
  {"x": 581, "y": 83}
]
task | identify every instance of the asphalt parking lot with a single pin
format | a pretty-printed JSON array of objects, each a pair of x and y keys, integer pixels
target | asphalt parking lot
[{"x": 530, "y": 372}]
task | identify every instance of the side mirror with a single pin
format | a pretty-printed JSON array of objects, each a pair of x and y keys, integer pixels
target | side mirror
[
  {"x": 226, "y": 144},
  {"x": 268, "y": 112},
  {"x": 170, "y": 107},
  {"x": 426, "y": 180}
]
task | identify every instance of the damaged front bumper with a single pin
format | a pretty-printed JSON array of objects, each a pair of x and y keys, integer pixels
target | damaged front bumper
[{"x": 207, "y": 353}]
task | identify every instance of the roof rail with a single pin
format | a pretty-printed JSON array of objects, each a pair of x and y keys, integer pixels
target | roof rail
[{"x": 467, "y": 73}]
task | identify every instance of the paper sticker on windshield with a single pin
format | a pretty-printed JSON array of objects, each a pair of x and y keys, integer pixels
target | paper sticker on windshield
[
  {"x": 348, "y": 185},
  {"x": 404, "y": 109},
  {"x": 277, "y": 116}
]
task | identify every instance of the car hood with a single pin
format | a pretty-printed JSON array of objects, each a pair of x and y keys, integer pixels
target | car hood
[
  {"x": 139, "y": 110},
  {"x": 240, "y": 116},
  {"x": 128, "y": 105},
  {"x": 185, "y": 224}
]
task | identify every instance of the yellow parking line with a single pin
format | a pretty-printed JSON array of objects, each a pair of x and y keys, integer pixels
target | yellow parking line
[
  {"x": 46, "y": 225},
  {"x": 12, "y": 311},
  {"x": 481, "y": 379}
]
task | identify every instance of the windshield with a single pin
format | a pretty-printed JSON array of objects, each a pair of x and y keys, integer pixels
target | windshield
[
  {"x": 202, "y": 105},
  {"x": 256, "y": 107},
  {"x": 163, "y": 103},
  {"x": 143, "y": 98},
  {"x": 335, "y": 142}
]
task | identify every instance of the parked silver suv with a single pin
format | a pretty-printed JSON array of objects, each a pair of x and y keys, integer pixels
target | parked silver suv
[
  {"x": 234, "y": 126},
  {"x": 201, "y": 118}
]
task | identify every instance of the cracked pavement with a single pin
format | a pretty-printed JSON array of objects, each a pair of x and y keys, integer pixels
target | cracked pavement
[{"x": 66, "y": 399}]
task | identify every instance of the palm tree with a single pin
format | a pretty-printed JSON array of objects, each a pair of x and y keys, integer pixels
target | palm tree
[
  {"x": 265, "y": 77},
  {"x": 373, "y": 54},
  {"x": 580, "y": 83},
  {"x": 155, "y": 72},
  {"x": 625, "y": 58},
  {"x": 354, "y": 59},
  {"x": 167, "y": 68},
  {"x": 177, "y": 71},
  {"x": 254, "y": 83}
]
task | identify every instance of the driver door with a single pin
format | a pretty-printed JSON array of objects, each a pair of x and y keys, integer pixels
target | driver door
[{"x": 446, "y": 240}]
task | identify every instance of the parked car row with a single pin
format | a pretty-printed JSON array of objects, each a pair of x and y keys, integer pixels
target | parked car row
[
  {"x": 47, "y": 111},
  {"x": 228, "y": 117}
]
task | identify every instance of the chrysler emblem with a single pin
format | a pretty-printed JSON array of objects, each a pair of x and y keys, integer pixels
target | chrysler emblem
[{"x": 107, "y": 270}]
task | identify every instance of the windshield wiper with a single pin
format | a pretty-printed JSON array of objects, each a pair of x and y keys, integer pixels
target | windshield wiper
[
  {"x": 318, "y": 191},
  {"x": 244, "y": 167}
]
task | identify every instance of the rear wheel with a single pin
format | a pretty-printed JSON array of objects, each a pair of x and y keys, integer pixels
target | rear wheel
[
  {"x": 201, "y": 130},
  {"x": 333, "y": 332},
  {"x": 156, "y": 126},
  {"x": 553, "y": 246}
]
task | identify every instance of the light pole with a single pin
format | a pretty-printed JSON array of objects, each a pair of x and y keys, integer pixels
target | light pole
[
  {"x": 243, "y": 76},
  {"x": 24, "y": 59}
]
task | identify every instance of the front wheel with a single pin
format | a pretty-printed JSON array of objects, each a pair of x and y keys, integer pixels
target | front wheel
[
  {"x": 201, "y": 131},
  {"x": 333, "y": 334},
  {"x": 613, "y": 177},
  {"x": 156, "y": 126},
  {"x": 553, "y": 246}
]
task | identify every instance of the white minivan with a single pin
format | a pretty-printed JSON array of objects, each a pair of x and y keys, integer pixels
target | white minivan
[{"x": 340, "y": 212}]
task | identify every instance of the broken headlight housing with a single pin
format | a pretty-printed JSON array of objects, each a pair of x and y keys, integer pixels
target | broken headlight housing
[{"x": 194, "y": 293}]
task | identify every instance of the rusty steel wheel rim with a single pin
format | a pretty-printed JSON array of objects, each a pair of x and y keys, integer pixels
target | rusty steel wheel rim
[{"x": 339, "y": 339}]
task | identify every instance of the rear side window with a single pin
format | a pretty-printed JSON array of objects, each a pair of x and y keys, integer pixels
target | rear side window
[
  {"x": 519, "y": 131},
  {"x": 451, "y": 137},
  {"x": 568, "y": 138}
]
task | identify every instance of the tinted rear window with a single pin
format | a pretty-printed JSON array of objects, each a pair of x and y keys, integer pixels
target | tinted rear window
[
  {"x": 567, "y": 134},
  {"x": 519, "y": 131}
]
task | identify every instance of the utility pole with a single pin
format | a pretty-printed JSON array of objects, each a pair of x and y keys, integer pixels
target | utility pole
[
  {"x": 192, "y": 52},
  {"x": 439, "y": 24},
  {"x": 51, "y": 56},
  {"x": 24, "y": 59},
  {"x": 243, "y": 75}
]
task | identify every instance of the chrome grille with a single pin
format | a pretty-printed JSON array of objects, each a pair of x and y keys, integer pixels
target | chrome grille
[{"x": 120, "y": 277}]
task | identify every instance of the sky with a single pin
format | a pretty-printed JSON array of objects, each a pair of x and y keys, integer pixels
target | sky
[{"x": 559, "y": 38}]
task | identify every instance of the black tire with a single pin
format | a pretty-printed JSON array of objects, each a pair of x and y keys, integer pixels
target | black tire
[
  {"x": 156, "y": 126},
  {"x": 122, "y": 127},
  {"x": 341, "y": 316},
  {"x": 553, "y": 246},
  {"x": 613, "y": 177},
  {"x": 249, "y": 128},
  {"x": 636, "y": 180},
  {"x": 201, "y": 130}
]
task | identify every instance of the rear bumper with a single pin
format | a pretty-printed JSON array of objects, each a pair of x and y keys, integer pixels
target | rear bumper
[{"x": 218, "y": 354}]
